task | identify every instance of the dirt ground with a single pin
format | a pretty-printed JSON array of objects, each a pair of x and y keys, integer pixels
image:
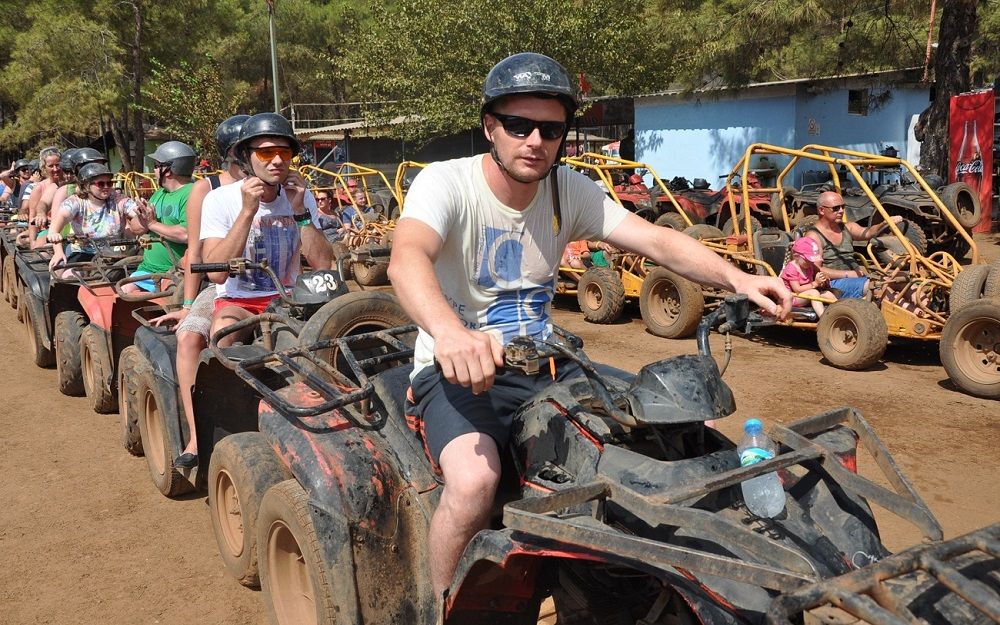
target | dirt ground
[{"x": 85, "y": 538}]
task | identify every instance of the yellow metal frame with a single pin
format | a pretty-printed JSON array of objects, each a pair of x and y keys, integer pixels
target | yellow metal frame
[
  {"x": 603, "y": 165},
  {"x": 127, "y": 181},
  {"x": 340, "y": 177},
  {"x": 400, "y": 177}
]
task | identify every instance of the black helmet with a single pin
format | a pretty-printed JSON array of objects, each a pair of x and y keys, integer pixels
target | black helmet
[
  {"x": 529, "y": 73},
  {"x": 87, "y": 155},
  {"x": 34, "y": 165},
  {"x": 21, "y": 163},
  {"x": 89, "y": 171},
  {"x": 66, "y": 160},
  {"x": 265, "y": 125},
  {"x": 176, "y": 155},
  {"x": 227, "y": 133}
]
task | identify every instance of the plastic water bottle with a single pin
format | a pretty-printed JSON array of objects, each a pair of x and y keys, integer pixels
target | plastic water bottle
[{"x": 763, "y": 495}]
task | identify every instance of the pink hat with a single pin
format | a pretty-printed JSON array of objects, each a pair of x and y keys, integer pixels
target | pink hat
[{"x": 808, "y": 249}]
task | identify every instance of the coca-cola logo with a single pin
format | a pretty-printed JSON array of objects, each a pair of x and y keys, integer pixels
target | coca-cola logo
[{"x": 972, "y": 167}]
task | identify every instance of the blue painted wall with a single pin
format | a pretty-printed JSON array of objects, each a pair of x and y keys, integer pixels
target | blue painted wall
[{"x": 704, "y": 137}]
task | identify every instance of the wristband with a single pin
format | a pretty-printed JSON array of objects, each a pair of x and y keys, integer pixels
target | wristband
[
  {"x": 188, "y": 302},
  {"x": 303, "y": 219}
]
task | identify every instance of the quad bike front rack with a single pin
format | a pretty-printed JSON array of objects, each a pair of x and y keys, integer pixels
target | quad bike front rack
[
  {"x": 558, "y": 517},
  {"x": 869, "y": 593}
]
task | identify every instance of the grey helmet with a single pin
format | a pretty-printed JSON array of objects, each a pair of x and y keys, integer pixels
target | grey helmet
[
  {"x": 92, "y": 170},
  {"x": 87, "y": 155},
  {"x": 34, "y": 165},
  {"x": 21, "y": 163},
  {"x": 66, "y": 160},
  {"x": 228, "y": 133},
  {"x": 177, "y": 156},
  {"x": 529, "y": 73},
  {"x": 264, "y": 125}
]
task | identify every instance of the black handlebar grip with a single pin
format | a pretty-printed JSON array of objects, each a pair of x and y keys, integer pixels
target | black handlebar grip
[{"x": 209, "y": 267}]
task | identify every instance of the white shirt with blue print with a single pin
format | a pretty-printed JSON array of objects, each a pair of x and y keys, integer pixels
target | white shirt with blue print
[{"x": 497, "y": 266}]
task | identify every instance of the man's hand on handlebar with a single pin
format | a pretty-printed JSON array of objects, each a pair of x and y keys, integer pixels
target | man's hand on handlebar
[{"x": 469, "y": 358}]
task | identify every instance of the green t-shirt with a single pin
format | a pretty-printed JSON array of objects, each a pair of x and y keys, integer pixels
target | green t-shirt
[{"x": 171, "y": 210}]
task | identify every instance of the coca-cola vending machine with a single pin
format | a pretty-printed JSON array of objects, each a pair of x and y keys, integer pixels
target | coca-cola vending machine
[{"x": 971, "y": 137}]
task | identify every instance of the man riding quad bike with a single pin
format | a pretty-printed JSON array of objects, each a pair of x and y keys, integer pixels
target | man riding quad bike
[{"x": 616, "y": 499}]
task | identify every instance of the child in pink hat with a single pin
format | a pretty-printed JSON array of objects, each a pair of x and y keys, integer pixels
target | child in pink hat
[{"x": 803, "y": 275}]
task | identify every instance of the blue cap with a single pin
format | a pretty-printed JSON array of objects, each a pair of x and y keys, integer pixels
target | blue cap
[{"x": 753, "y": 426}]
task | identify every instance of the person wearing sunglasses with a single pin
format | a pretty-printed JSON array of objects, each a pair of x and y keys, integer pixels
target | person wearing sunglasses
[
  {"x": 474, "y": 259},
  {"x": 165, "y": 213},
  {"x": 836, "y": 236},
  {"x": 97, "y": 211},
  {"x": 268, "y": 215},
  {"x": 17, "y": 178}
]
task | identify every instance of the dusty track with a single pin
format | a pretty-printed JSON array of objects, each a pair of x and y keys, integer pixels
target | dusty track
[{"x": 85, "y": 537}]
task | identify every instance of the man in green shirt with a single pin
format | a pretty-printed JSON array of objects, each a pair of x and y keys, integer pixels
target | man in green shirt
[{"x": 165, "y": 213}]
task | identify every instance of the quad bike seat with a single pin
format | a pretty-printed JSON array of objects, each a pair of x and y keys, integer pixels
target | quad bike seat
[{"x": 390, "y": 388}]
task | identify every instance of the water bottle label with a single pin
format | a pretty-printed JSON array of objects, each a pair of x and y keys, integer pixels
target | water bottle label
[{"x": 753, "y": 455}]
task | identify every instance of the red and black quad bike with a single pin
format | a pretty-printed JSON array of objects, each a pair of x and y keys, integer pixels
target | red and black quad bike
[
  {"x": 47, "y": 294},
  {"x": 318, "y": 307},
  {"x": 616, "y": 500},
  {"x": 715, "y": 204},
  {"x": 89, "y": 344}
]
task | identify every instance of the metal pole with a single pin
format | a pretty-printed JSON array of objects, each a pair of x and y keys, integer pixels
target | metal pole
[{"x": 274, "y": 55}]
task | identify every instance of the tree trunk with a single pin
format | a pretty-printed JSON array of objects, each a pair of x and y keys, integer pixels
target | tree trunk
[
  {"x": 137, "y": 117},
  {"x": 119, "y": 130},
  {"x": 951, "y": 77}
]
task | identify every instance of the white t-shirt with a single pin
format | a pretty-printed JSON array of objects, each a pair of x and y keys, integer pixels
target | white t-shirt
[
  {"x": 274, "y": 235},
  {"x": 497, "y": 266}
]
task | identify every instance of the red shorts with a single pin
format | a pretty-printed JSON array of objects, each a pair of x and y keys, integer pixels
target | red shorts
[{"x": 255, "y": 305}]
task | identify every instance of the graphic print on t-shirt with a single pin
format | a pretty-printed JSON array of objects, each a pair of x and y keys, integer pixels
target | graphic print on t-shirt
[
  {"x": 274, "y": 238},
  {"x": 520, "y": 306}
]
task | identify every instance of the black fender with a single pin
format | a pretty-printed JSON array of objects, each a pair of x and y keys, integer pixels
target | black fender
[
  {"x": 159, "y": 347},
  {"x": 34, "y": 281}
]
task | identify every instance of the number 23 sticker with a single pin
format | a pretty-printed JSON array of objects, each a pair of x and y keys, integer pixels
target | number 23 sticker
[{"x": 321, "y": 283}]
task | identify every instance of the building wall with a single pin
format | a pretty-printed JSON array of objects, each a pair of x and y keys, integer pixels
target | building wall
[{"x": 705, "y": 137}]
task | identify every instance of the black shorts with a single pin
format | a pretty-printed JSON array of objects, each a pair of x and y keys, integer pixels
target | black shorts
[{"x": 448, "y": 411}]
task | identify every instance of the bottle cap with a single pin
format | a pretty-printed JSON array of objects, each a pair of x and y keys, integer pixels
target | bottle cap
[{"x": 753, "y": 426}]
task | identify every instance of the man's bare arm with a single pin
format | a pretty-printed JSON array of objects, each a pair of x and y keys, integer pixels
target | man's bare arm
[{"x": 316, "y": 248}]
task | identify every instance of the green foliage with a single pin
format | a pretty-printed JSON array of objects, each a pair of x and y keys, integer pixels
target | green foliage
[
  {"x": 188, "y": 102},
  {"x": 425, "y": 60}
]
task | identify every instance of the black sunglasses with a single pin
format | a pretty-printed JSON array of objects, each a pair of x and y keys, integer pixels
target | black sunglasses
[
  {"x": 838, "y": 207},
  {"x": 522, "y": 127}
]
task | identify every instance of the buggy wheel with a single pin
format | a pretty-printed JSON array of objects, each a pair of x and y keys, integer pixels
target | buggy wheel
[
  {"x": 671, "y": 305},
  {"x": 155, "y": 441},
  {"x": 970, "y": 348},
  {"x": 967, "y": 287},
  {"x": 34, "y": 318},
  {"x": 672, "y": 220},
  {"x": 293, "y": 575},
  {"x": 728, "y": 227},
  {"x": 242, "y": 469},
  {"x": 69, "y": 327},
  {"x": 340, "y": 250},
  {"x": 98, "y": 373},
  {"x": 132, "y": 366},
  {"x": 852, "y": 334},
  {"x": 963, "y": 202},
  {"x": 704, "y": 231},
  {"x": 601, "y": 295},
  {"x": 992, "y": 286},
  {"x": 375, "y": 274}
]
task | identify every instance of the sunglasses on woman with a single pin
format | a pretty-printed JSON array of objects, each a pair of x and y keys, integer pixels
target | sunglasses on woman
[
  {"x": 267, "y": 154},
  {"x": 102, "y": 184},
  {"x": 522, "y": 127}
]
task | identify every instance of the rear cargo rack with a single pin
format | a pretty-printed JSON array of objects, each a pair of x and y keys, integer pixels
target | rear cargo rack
[{"x": 866, "y": 595}]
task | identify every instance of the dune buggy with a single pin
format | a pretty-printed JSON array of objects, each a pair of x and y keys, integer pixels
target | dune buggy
[
  {"x": 616, "y": 500},
  {"x": 623, "y": 181},
  {"x": 915, "y": 296}
]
